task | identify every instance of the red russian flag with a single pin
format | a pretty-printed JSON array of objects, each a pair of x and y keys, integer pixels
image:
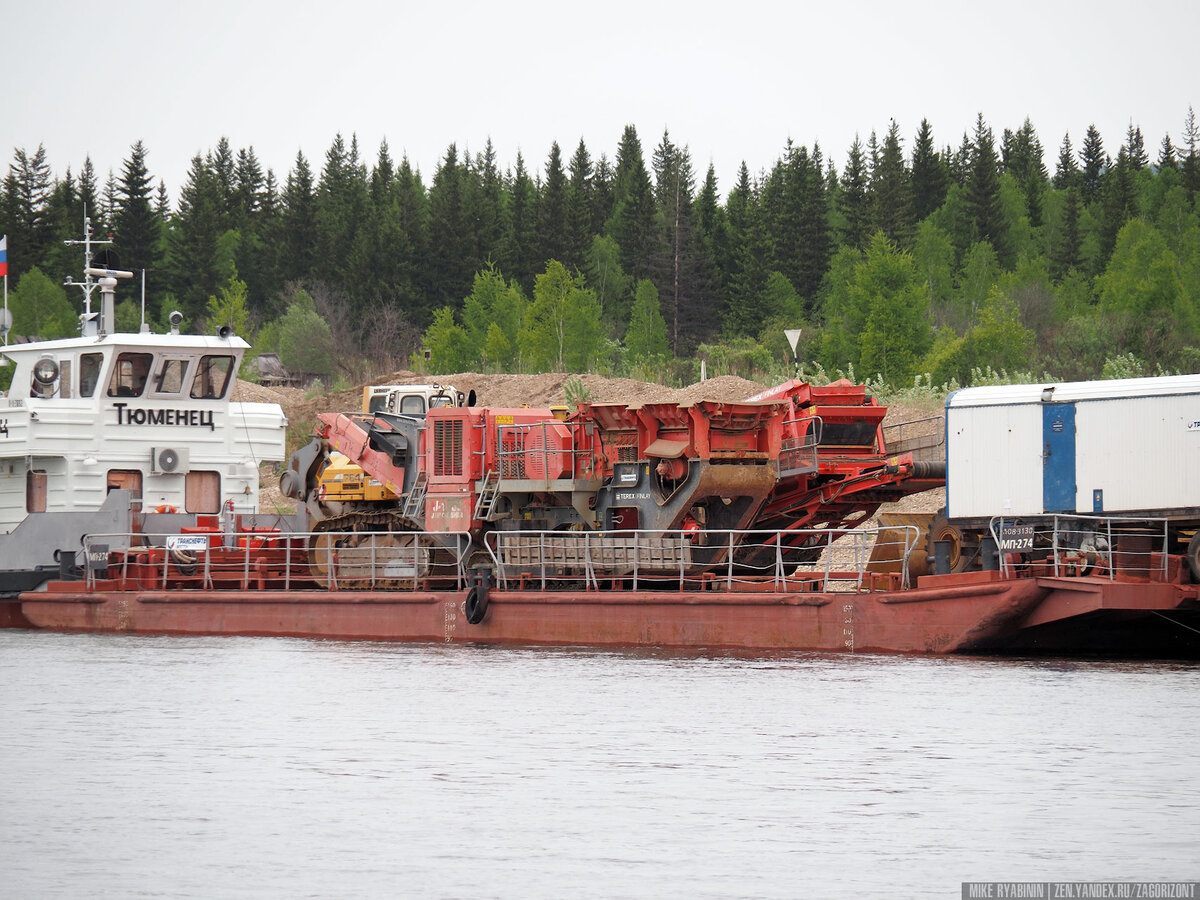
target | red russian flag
[{"x": 4, "y": 256}]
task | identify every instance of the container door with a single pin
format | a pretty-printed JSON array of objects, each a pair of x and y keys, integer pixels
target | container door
[{"x": 1058, "y": 457}]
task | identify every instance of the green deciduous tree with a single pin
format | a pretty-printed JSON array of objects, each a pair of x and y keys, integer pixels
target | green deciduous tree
[
  {"x": 40, "y": 308},
  {"x": 878, "y": 313},
  {"x": 230, "y": 308},
  {"x": 1142, "y": 278},
  {"x": 562, "y": 327},
  {"x": 647, "y": 334},
  {"x": 306, "y": 345},
  {"x": 493, "y": 310}
]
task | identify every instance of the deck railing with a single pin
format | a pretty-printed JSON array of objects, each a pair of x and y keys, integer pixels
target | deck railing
[
  {"x": 273, "y": 560},
  {"x": 1101, "y": 546},
  {"x": 800, "y": 560},
  {"x": 790, "y": 561}
]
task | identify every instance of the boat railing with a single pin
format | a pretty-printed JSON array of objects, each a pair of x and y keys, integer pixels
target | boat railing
[
  {"x": 815, "y": 560},
  {"x": 269, "y": 559},
  {"x": 1067, "y": 545}
]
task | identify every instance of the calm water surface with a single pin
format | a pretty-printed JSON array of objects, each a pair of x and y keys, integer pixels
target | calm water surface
[{"x": 250, "y": 767}]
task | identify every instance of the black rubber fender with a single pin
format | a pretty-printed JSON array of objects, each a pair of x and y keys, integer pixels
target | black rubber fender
[{"x": 476, "y": 604}]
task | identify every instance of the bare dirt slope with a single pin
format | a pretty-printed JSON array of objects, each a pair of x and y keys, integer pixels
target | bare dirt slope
[{"x": 538, "y": 391}]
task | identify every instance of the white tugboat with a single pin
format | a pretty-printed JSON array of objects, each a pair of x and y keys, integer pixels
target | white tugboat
[{"x": 122, "y": 433}]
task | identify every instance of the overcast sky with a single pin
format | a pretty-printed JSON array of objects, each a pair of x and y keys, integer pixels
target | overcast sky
[{"x": 732, "y": 80}]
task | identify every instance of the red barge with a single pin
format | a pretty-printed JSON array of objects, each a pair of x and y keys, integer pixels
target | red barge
[
  {"x": 129, "y": 503},
  {"x": 708, "y": 525}
]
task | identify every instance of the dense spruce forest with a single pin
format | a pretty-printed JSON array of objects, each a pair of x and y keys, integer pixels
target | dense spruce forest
[{"x": 983, "y": 259}]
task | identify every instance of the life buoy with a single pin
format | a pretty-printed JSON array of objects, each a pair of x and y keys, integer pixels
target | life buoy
[
  {"x": 476, "y": 604},
  {"x": 165, "y": 508}
]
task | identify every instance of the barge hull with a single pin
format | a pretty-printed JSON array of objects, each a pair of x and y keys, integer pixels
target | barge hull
[{"x": 974, "y": 612}]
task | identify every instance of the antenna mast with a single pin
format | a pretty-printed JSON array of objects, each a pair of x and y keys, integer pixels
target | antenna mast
[{"x": 88, "y": 324}]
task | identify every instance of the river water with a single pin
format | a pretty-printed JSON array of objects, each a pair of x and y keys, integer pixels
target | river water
[{"x": 255, "y": 767}]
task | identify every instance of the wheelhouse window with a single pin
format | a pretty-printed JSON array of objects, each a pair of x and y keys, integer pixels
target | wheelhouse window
[
  {"x": 212, "y": 377},
  {"x": 129, "y": 375},
  {"x": 89, "y": 373},
  {"x": 169, "y": 379}
]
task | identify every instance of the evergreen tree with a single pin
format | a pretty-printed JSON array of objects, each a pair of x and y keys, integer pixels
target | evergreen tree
[
  {"x": 298, "y": 221},
  {"x": 108, "y": 203},
  {"x": 890, "y": 190},
  {"x": 1067, "y": 173},
  {"x": 983, "y": 192},
  {"x": 451, "y": 263},
  {"x": 246, "y": 196},
  {"x": 602, "y": 194},
  {"x": 89, "y": 193},
  {"x": 1065, "y": 246},
  {"x": 815, "y": 234},
  {"x": 64, "y": 214},
  {"x": 27, "y": 192},
  {"x": 518, "y": 250},
  {"x": 739, "y": 210},
  {"x": 194, "y": 271},
  {"x": 1136, "y": 149},
  {"x": 1118, "y": 194},
  {"x": 674, "y": 262},
  {"x": 488, "y": 204},
  {"x": 411, "y": 211},
  {"x": 853, "y": 201},
  {"x": 711, "y": 241},
  {"x": 553, "y": 234},
  {"x": 579, "y": 206},
  {"x": 335, "y": 226},
  {"x": 1093, "y": 162},
  {"x": 1166, "y": 154},
  {"x": 136, "y": 231},
  {"x": 746, "y": 309},
  {"x": 248, "y": 188},
  {"x": 222, "y": 165},
  {"x": 1190, "y": 157},
  {"x": 632, "y": 222},
  {"x": 929, "y": 177},
  {"x": 162, "y": 205},
  {"x": 958, "y": 163},
  {"x": 1022, "y": 159}
]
